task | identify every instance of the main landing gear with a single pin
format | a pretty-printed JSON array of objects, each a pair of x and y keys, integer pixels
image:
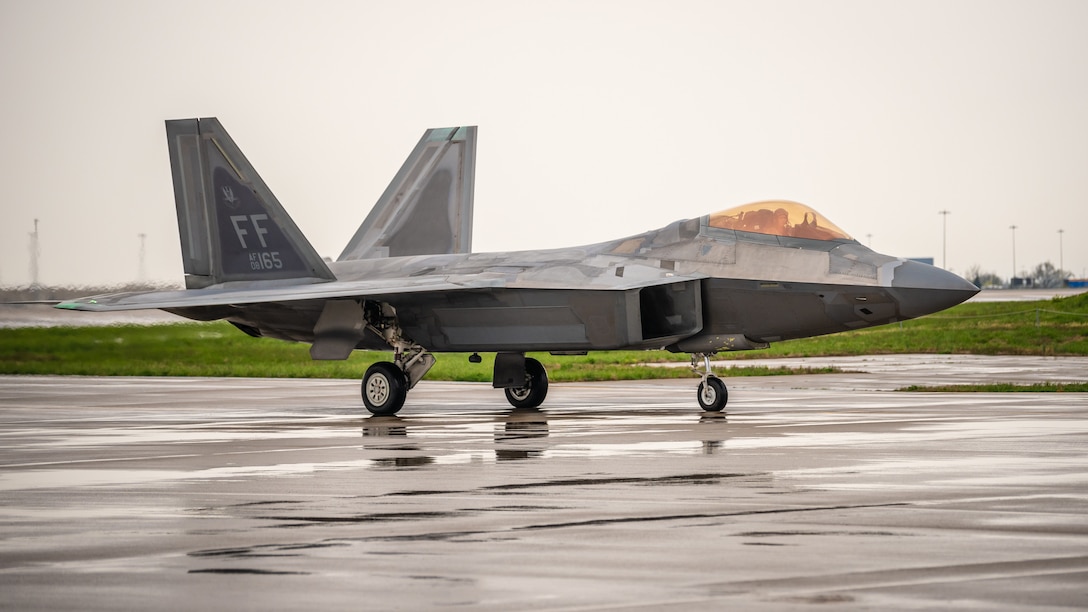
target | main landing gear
[
  {"x": 712, "y": 393},
  {"x": 385, "y": 384}
]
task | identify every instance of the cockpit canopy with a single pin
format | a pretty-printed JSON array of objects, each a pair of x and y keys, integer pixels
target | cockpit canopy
[{"x": 778, "y": 218}]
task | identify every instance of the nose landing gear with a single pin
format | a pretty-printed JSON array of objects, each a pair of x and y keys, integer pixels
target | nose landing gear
[{"x": 712, "y": 393}]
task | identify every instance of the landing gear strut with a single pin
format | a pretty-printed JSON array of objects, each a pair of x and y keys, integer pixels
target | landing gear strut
[
  {"x": 385, "y": 384},
  {"x": 712, "y": 393}
]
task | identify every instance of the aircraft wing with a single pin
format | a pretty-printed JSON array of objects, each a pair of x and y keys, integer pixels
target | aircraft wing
[
  {"x": 250, "y": 295},
  {"x": 358, "y": 289}
]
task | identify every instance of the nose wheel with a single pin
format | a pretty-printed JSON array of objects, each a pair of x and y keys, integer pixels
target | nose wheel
[{"x": 712, "y": 393}]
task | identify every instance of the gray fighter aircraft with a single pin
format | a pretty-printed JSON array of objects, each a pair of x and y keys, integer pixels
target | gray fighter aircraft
[{"x": 738, "y": 279}]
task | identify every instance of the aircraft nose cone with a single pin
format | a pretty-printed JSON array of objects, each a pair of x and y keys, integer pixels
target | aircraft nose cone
[{"x": 923, "y": 289}]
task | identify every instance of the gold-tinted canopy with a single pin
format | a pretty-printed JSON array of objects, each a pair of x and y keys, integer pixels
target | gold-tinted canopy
[{"x": 778, "y": 218}]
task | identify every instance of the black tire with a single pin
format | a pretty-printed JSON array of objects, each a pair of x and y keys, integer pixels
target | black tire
[
  {"x": 535, "y": 389},
  {"x": 713, "y": 395},
  {"x": 384, "y": 389}
]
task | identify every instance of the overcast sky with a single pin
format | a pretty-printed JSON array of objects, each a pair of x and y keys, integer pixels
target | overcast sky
[{"x": 597, "y": 119}]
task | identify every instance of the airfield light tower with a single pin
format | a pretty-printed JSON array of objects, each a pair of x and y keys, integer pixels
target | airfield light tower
[
  {"x": 944, "y": 237},
  {"x": 1013, "y": 228},
  {"x": 141, "y": 272},
  {"x": 1061, "y": 253},
  {"x": 35, "y": 252}
]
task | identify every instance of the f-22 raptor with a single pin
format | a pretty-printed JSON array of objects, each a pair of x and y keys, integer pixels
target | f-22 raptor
[{"x": 407, "y": 280}]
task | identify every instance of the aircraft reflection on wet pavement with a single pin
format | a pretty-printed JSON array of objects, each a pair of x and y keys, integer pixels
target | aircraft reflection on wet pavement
[
  {"x": 390, "y": 434},
  {"x": 737, "y": 279},
  {"x": 523, "y": 433}
]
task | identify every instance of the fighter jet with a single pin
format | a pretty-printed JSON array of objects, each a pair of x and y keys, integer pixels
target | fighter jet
[{"x": 407, "y": 280}]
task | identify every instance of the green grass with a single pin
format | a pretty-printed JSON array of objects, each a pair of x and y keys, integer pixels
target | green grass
[
  {"x": 217, "y": 349},
  {"x": 1050, "y": 327},
  {"x": 1045, "y": 327}
]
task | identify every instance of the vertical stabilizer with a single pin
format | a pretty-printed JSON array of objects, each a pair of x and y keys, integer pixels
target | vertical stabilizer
[
  {"x": 232, "y": 227},
  {"x": 427, "y": 209}
]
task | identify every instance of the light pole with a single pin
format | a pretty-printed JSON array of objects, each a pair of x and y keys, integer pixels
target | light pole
[
  {"x": 35, "y": 253},
  {"x": 141, "y": 271},
  {"x": 1013, "y": 228},
  {"x": 1061, "y": 253},
  {"x": 944, "y": 237},
  {"x": 870, "y": 237}
]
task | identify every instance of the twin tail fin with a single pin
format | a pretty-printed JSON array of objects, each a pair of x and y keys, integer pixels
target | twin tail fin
[
  {"x": 232, "y": 227},
  {"x": 427, "y": 208}
]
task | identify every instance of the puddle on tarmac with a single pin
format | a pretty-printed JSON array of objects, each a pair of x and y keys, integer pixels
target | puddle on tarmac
[
  {"x": 634, "y": 448},
  {"x": 424, "y": 441},
  {"x": 242, "y": 570},
  {"x": 88, "y": 477}
]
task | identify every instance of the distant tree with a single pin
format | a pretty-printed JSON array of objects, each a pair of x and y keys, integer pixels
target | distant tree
[
  {"x": 1047, "y": 276},
  {"x": 982, "y": 279}
]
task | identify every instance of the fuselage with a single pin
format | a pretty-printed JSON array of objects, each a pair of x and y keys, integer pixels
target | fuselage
[{"x": 693, "y": 286}]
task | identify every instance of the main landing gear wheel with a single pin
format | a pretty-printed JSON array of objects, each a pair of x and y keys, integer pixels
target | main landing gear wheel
[
  {"x": 712, "y": 394},
  {"x": 535, "y": 389},
  {"x": 384, "y": 389},
  {"x": 385, "y": 384}
]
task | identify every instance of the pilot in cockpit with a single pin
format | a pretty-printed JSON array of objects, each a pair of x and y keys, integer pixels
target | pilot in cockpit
[{"x": 780, "y": 223}]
